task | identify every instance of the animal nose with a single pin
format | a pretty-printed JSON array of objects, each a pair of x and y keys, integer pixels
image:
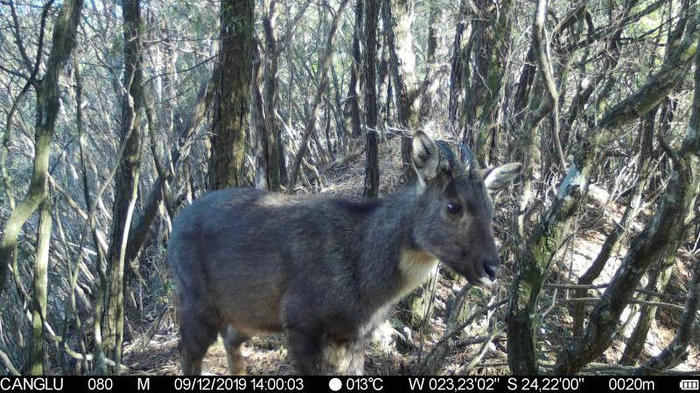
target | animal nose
[{"x": 491, "y": 268}]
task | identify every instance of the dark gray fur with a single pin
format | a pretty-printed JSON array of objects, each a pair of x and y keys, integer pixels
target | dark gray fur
[{"x": 322, "y": 269}]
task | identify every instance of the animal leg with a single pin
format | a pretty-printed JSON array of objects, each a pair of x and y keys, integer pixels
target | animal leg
[
  {"x": 305, "y": 335},
  {"x": 195, "y": 338},
  {"x": 233, "y": 340},
  {"x": 349, "y": 358},
  {"x": 307, "y": 350},
  {"x": 356, "y": 354}
]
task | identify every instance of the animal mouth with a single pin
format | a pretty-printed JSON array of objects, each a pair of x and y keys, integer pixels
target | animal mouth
[
  {"x": 489, "y": 275},
  {"x": 486, "y": 277}
]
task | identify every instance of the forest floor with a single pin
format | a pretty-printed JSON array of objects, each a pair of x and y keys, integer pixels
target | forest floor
[{"x": 154, "y": 351}]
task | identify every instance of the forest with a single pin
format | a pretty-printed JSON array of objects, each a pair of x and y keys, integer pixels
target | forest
[{"x": 117, "y": 115}]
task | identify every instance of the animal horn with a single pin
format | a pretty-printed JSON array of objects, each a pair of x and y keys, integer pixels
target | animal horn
[
  {"x": 468, "y": 157},
  {"x": 446, "y": 152}
]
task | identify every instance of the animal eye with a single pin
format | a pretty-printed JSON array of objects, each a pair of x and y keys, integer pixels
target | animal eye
[{"x": 454, "y": 208}]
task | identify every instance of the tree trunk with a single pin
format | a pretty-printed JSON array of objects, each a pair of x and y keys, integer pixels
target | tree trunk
[
  {"x": 397, "y": 18},
  {"x": 491, "y": 47},
  {"x": 461, "y": 52},
  {"x": 352, "y": 104},
  {"x": 676, "y": 351},
  {"x": 274, "y": 150},
  {"x": 432, "y": 81},
  {"x": 127, "y": 178},
  {"x": 372, "y": 166},
  {"x": 231, "y": 107},
  {"x": 657, "y": 283},
  {"x": 65, "y": 29},
  {"x": 40, "y": 289}
]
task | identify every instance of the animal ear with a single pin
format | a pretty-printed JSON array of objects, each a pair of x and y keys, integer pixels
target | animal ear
[
  {"x": 425, "y": 156},
  {"x": 498, "y": 177}
]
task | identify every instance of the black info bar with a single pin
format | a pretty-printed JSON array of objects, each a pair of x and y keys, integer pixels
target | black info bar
[{"x": 501, "y": 383}]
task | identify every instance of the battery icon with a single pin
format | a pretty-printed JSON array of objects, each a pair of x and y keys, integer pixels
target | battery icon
[{"x": 690, "y": 384}]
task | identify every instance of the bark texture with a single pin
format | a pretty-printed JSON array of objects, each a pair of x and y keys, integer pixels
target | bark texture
[{"x": 231, "y": 106}]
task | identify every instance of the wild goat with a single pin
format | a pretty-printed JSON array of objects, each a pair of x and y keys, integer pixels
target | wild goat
[{"x": 322, "y": 269}]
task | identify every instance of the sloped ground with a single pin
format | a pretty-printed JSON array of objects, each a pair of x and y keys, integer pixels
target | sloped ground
[{"x": 267, "y": 354}]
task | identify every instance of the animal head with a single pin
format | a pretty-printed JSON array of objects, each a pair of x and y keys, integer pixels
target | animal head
[{"x": 455, "y": 209}]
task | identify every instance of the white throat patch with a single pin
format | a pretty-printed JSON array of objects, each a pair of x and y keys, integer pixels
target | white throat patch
[{"x": 416, "y": 267}]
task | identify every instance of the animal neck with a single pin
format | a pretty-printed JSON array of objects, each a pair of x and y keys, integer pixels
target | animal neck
[{"x": 395, "y": 264}]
